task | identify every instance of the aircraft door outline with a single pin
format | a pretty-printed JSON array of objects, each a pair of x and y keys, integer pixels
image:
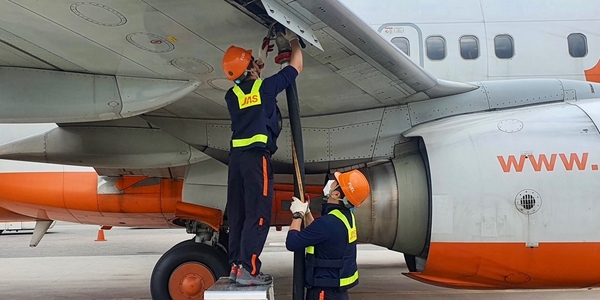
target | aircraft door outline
[{"x": 411, "y": 32}]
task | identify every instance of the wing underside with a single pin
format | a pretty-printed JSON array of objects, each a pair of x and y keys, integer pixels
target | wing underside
[{"x": 358, "y": 75}]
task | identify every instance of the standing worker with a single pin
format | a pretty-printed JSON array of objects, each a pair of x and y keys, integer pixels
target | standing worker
[
  {"x": 256, "y": 124},
  {"x": 330, "y": 240}
]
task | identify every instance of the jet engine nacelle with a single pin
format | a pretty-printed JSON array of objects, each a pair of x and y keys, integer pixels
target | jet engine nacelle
[{"x": 500, "y": 199}]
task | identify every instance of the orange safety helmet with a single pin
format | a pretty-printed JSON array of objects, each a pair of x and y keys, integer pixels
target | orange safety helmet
[
  {"x": 354, "y": 185},
  {"x": 236, "y": 61}
]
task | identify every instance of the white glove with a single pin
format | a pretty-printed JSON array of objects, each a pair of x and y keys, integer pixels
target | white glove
[
  {"x": 290, "y": 35},
  {"x": 264, "y": 50},
  {"x": 298, "y": 206}
]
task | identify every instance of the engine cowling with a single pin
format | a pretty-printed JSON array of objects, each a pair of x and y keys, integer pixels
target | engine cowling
[
  {"x": 490, "y": 200},
  {"x": 396, "y": 215}
]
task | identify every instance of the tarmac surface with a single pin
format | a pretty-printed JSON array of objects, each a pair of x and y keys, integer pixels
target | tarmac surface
[{"x": 69, "y": 264}]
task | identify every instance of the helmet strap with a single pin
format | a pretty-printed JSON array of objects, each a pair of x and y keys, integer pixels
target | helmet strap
[{"x": 346, "y": 202}]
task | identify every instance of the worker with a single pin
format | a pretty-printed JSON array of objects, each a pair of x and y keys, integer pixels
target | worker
[
  {"x": 330, "y": 240},
  {"x": 256, "y": 124}
]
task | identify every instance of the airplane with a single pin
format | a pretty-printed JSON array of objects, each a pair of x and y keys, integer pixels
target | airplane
[{"x": 481, "y": 184}]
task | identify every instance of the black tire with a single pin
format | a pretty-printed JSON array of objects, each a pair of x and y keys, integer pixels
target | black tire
[
  {"x": 181, "y": 244},
  {"x": 185, "y": 252},
  {"x": 1, "y": 231},
  {"x": 222, "y": 244}
]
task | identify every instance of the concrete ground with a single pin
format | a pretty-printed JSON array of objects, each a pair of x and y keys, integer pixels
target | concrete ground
[{"x": 69, "y": 264}]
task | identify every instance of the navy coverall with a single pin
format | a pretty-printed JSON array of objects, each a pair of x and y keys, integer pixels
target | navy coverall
[
  {"x": 256, "y": 123},
  {"x": 329, "y": 236}
]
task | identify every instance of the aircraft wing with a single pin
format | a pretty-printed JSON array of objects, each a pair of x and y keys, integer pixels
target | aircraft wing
[
  {"x": 183, "y": 41},
  {"x": 56, "y": 56}
]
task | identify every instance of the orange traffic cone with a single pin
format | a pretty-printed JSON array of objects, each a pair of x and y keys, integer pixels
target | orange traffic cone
[{"x": 100, "y": 237}]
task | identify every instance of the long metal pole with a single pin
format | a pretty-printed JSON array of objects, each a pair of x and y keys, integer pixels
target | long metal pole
[{"x": 298, "y": 159}]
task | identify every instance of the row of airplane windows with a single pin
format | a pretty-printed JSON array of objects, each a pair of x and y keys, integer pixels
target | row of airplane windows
[{"x": 469, "y": 46}]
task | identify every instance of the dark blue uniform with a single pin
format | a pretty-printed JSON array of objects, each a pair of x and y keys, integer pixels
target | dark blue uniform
[
  {"x": 331, "y": 270},
  {"x": 256, "y": 124}
]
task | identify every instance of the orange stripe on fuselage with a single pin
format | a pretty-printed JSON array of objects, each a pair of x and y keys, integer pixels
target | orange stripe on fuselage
[
  {"x": 593, "y": 74},
  {"x": 9, "y": 216},
  {"x": 511, "y": 265},
  {"x": 72, "y": 197}
]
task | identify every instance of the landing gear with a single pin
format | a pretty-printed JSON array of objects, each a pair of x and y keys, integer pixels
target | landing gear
[
  {"x": 187, "y": 270},
  {"x": 192, "y": 266}
]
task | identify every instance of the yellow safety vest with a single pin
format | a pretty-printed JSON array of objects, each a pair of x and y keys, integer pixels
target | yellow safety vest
[
  {"x": 245, "y": 101},
  {"x": 313, "y": 262}
]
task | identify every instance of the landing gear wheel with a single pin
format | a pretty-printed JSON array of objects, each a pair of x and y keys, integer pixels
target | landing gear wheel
[{"x": 186, "y": 271}]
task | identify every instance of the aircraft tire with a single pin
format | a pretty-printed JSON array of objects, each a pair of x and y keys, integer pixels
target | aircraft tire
[
  {"x": 181, "y": 244},
  {"x": 187, "y": 270}
]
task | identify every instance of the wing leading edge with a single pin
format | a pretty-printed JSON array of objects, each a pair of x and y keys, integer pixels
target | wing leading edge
[{"x": 342, "y": 25}]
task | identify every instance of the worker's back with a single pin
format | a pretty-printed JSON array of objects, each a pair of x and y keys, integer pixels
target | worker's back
[
  {"x": 334, "y": 257},
  {"x": 258, "y": 118}
]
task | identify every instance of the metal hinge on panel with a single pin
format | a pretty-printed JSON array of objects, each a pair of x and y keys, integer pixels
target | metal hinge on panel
[{"x": 288, "y": 19}]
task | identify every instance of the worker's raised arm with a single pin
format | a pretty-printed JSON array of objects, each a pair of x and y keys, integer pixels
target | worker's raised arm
[{"x": 296, "y": 58}]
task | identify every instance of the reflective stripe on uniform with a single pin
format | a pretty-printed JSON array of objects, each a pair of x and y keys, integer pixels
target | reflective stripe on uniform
[
  {"x": 262, "y": 138},
  {"x": 310, "y": 250},
  {"x": 351, "y": 230},
  {"x": 349, "y": 280},
  {"x": 251, "y": 99},
  {"x": 351, "y": 238}
]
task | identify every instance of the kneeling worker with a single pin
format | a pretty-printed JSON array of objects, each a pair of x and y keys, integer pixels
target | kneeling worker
[{"x": 330, "y": 240}]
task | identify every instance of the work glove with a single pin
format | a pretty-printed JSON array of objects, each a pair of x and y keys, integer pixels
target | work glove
[
  {"x": 298, "y": 206},
  {"x": 264, "y": 50},
  {"x": 289, "y": 35}
]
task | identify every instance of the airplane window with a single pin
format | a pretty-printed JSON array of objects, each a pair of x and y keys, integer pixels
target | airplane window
[
  {"x": 402, "y": 44},
  {"x": 577, "y": 45},
  {"x": 469, "y": 47},
  {"x": 436, "y": 48},
  {"x": 504, "y": 46}
]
